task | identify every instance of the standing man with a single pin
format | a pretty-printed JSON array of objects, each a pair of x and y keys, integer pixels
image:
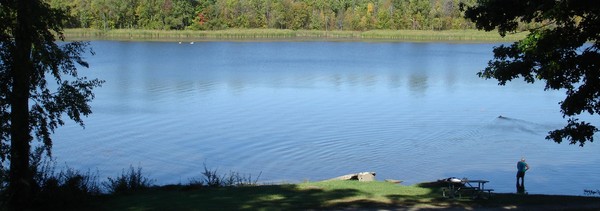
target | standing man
[{"x": 522, "y": 167}]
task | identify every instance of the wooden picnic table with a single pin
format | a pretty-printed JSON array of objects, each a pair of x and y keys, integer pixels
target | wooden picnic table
[{"x": 458, "y": 187}]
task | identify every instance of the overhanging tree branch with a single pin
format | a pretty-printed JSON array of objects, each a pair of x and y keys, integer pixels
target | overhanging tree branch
[{"x": 565, "y": 55}]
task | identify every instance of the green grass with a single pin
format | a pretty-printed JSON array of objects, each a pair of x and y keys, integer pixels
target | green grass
[
  {"x": 315, "y": 195},
  {"x": 325, "y": 195},
  {"x": 284, "y": 34}
]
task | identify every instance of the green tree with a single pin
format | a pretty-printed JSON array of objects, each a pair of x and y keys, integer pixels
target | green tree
[
  {"x": 177, "y": 14},
  {"x": 102, "y": 9},
  {"x": 437, "y": 14},
  {"x": 299, "y": 16},
  {"x": 258, "y": 13},
  {"x": 401, "y": 16},
  {"x": 280, "y": 15},
  {"x": 83, "y": 13},
  {"x": 148, "y": 14},
  {"x": 419, "y": 11},
  {"x": 125, "y": 13},
  {"x": 206, "y": 16},
  {"x": 68, "y": 7},
  {"x": 30, "y": 108},
  {"x": 351, "y": 19},
  {"x": 563, "y": 53},
  {"x": 283, "y": 14},
  {"x": 384, "y": 15}
]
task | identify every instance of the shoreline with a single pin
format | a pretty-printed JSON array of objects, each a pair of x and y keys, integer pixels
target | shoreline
[{"x": 268, "y": 35}]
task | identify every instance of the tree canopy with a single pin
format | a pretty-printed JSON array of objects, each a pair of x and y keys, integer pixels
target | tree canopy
[
  {"x": 563, "y": 52},
  {"x": 31, "y": 107},
  {"x": 277, "y": 14}
]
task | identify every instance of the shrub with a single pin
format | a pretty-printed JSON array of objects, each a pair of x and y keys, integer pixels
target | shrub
[
  {"x": 590, "y": 192},
  {"x": 211, "y": 178},
  {"x": 130, "y": 181},
  {"x": 68, "y": 188}
]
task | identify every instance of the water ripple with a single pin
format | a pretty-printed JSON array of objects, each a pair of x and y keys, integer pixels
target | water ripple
[{"x": 310, "y": 111}]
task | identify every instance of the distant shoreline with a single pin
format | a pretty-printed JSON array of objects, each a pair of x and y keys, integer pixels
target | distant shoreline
[{"x": 468, "y": 35}]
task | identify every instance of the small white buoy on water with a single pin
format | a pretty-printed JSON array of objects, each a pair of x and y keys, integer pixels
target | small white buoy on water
[
  {"x": 191, "y": 43},
  {"x": 179, "y": 42}
]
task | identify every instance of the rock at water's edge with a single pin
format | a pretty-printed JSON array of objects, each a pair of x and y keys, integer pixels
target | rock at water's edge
[{"x": 362, "y": 176}]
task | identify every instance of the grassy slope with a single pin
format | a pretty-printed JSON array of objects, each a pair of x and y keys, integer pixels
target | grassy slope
[
  {"x": 325, "y": 195},
  {"x": 278, "y": 34}
]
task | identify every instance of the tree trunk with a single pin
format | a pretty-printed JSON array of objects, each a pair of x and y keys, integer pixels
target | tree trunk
[{"x": 20, "y": 176}]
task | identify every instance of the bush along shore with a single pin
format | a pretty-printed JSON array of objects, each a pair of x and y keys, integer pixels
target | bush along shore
[
  {"x": 285, "y": 34},
  {"x": 133, "y": 190}
]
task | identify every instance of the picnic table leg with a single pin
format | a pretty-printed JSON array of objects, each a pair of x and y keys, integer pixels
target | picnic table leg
[{"x": 451, "y": 191}]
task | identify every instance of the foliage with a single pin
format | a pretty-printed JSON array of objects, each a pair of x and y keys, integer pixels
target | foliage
[
  {"x": 563, "y": 52},
  {"x": 130, "y": 181},
  {"x": 67, "y": 188},
  {"x": 31, "y": 108},
  {"x": 275, "y": 14},
  {"x": 212, "y": 178}
]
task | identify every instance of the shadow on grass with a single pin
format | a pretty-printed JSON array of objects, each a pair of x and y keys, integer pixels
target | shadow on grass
[
  {"x": 500, "y": 201},
  {"x": 297, "y": 197},
  {"x": 433, "y": 198},
  {"x": 542, "y": 202},
  {"x": 269, "y": 197}
]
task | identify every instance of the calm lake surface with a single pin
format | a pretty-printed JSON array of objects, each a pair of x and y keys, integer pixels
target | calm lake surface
[{"x": 299, "y": 111}]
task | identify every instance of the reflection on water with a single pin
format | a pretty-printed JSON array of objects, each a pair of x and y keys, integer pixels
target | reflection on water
[
  {"x": 240, "y": 64},
  {"x": 418, "y": 84},
  {"x": 316, "y": 110}
]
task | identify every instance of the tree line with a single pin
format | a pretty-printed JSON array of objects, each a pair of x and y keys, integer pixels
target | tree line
[{"x": 355, "y": 15}]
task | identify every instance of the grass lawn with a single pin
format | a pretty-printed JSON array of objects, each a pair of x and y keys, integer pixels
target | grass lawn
[{"x": 327, "y": 195}]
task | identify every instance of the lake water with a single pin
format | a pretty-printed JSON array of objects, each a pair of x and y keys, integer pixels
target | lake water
[{"x": 299, "y": 111}]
